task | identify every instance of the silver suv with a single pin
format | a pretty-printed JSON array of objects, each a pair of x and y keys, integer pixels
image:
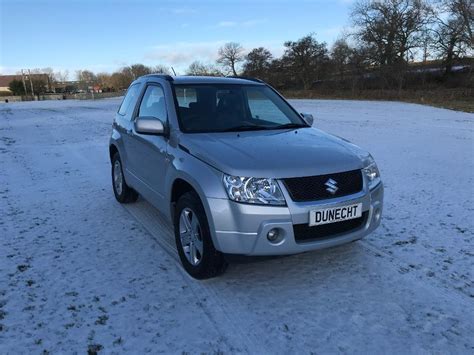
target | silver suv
[{"x": 238, "y": 170}]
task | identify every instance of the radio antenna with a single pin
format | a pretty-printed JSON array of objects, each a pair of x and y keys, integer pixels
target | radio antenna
[{"x": 173, "y": 71}]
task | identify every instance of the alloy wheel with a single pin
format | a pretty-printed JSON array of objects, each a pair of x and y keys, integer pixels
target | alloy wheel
[
  {"x": 190, "y": 235},
  {"x": 118, "y": 177}
]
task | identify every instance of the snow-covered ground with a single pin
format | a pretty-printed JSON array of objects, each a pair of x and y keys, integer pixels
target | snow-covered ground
[{"x": 80, "y": 272}]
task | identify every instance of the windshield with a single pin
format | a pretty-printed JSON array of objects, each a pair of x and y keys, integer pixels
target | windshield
[{"x": 232, "y": 108}]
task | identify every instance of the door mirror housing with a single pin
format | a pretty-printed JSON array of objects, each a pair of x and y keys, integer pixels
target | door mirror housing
[
  {"x": 308, "y": 118},
  {"x": 149, "y": 125}
]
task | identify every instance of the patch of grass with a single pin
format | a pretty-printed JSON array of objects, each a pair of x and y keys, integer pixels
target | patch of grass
[
  {"x": 457, "y": 105},
  {"x": 459, "y": 99}
]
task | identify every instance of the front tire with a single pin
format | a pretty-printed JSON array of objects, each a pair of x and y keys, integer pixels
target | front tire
[
  {"x": 123, "y": 193},
  {"x": 193, "y": 239}
]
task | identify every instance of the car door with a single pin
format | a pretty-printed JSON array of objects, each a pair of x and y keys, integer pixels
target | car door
[
  {"x": 150, "y": 151},
  {"x": 124, "y": 124}
]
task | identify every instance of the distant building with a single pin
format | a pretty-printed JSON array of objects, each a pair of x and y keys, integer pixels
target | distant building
[
  {"x": 5, "y": 81},
  {"x": 69, "y": 87}
]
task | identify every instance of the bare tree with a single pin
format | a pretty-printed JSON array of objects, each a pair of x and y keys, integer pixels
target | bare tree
[
  {"x": 257, "y": 63},
  {"x": 103, "y": 79},
  {"x": 229, "y": 55},
  {"x": 121, "y": 79},
  {"x": 48, "y": 78},
  {"x": 465, "y": 10},
  {"x": 160, "y": 69},
  {"x": 391, "y": 30},
  {"x": 426, "y": 42},
  {"x": 453, "y": 30},
  {"x": 85, "y": 76},
  {"x": 61, "y": 76},
  {"x": 138, "y": 70},
  {"x": 341, "y": 54},
  {"x": 50, "y": 73},
  {"x": 305, "y": 59},
  {"x": 198, "y": 68},
  {"x": 40, "y": 80},
  {"x": 358, "y": 64}
]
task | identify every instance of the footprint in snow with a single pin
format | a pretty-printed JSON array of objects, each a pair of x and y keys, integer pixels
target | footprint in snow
[
  {"x": 94, "y": 349},
  {"x": 23, "y": 267}
]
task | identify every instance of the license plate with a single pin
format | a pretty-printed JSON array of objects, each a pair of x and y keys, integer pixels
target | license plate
[{"x": 335, "y": 214}]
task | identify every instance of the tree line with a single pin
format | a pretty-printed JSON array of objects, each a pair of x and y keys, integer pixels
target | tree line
[{"x": 394, "y": 44}]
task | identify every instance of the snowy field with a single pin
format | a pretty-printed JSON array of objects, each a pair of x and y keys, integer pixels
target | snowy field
[{"x": 80, "y": 272}]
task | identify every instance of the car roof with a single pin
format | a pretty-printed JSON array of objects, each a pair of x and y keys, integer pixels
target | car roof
[{"x": 204, "y": 79}]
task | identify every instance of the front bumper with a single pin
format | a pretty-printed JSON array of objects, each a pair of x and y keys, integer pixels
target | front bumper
[{"x": 242, "y": 228}]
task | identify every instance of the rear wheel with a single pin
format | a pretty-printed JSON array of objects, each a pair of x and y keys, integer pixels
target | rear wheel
[
  {"x": 123, "y": 193},
  {"x": 193, "y": 239}
]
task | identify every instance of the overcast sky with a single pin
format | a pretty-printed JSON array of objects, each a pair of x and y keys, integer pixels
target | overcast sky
[{"x": 104, "y": 35}]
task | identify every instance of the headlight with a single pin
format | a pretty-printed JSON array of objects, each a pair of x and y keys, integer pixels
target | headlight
[
  {"x": 372, "y": 173},
  {"x": 260, "y": 191}
]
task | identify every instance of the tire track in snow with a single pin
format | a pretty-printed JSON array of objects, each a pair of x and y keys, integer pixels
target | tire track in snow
[{"x": 227, "y": 321}]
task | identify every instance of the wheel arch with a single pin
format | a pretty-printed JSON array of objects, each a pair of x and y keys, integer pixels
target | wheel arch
[
  {"x": 179, "y": 187},
  {"x": 113, "y": 149},
  {"x": 182, "y": 184}
]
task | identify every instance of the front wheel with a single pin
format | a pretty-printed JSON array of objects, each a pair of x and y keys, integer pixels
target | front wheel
[
  {"x": 123, "y": 193},
  {"x": 193, "y": 239}
]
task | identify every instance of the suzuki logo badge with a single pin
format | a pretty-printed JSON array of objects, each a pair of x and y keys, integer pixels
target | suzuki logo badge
[{"x": 331, "y": 186}]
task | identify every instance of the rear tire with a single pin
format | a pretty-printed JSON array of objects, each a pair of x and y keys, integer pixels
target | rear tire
[
  {"x": 123, "y": 193},
  {"x": 193, "y": 239}
]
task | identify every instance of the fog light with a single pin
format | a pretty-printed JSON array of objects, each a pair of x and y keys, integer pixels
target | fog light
[
  {"x": 273, "y": 235},
  {"x": 377, "y": 215}
]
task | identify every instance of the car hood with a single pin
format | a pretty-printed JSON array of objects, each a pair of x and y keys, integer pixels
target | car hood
[{"x": 276, "y": 153}]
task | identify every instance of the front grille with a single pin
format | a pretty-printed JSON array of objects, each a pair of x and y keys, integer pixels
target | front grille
[
  {"x": 313, "y": 188},
  {"x": 305, "y": 233}
]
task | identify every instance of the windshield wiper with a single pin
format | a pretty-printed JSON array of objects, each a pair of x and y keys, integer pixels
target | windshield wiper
[
  {"x": 290, "y": 125},
  {"x": 247, "y": 127}
]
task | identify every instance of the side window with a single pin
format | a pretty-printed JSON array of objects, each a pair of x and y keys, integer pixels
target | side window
[
  {"x": 185, "y": 96},
  {"x": 130, "y": 97},
  {"x": 153, "y": 103},
  {"x": 264, "y": 109}
]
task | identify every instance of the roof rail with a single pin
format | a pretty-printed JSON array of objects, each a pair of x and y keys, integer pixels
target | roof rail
[
  {"x": 160, "y": 76},
  {"x": 247, "y": 78}
]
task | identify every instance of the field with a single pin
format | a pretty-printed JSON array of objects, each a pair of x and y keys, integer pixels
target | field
[
  {"x": 80, "y": 272},
  {"x": 459, "y": 99}
]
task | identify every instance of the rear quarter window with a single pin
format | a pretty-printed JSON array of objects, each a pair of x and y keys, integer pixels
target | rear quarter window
[{"x": 130, "y": 98}]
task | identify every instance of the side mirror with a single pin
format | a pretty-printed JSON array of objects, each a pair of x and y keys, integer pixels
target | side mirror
[
  {"x": 308, "y": 118},
  {"x": 149, "y": 125}
]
